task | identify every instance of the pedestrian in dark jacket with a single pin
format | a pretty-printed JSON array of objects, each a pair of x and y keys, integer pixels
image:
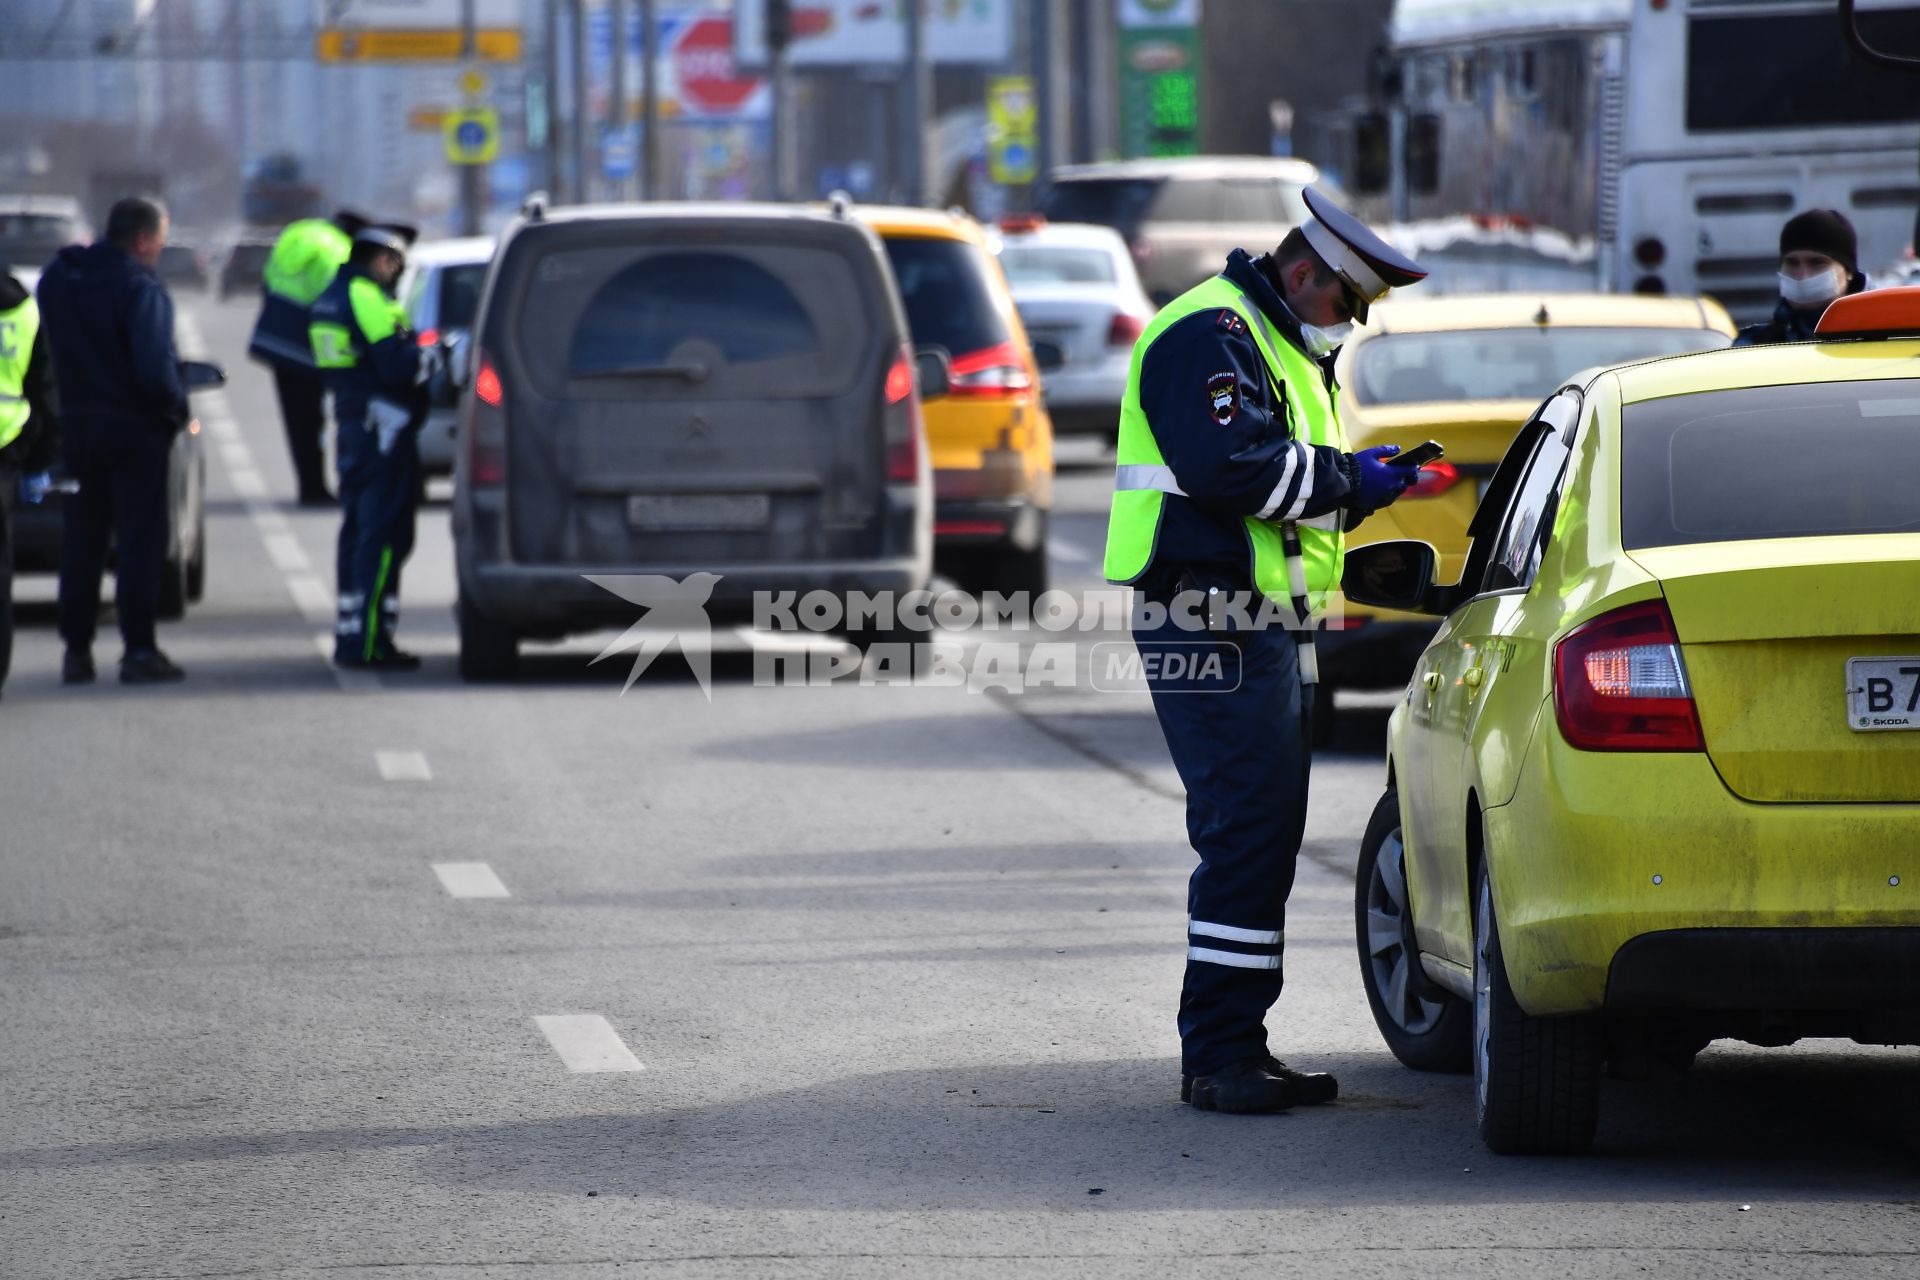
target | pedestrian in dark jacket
[
  {"x": 27, "y": 432},
  {"x": 1819, "y": 261},
  {"x": 109, "y": 325}
]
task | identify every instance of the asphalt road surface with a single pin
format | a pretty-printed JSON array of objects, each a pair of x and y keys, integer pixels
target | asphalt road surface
[{"x": 393, "y": 976}]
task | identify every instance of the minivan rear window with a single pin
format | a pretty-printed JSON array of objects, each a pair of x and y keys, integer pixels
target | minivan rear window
[
  {"x": 715, "y": 318},
  {"x": 1119, "y": 203},
  {"x": 950, "y": 302},
  {"x": 654, "y": 308},
  {"x": 1796, "y": 461}
]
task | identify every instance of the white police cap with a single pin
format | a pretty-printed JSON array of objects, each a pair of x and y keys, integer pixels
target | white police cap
[{"x": 1368, "y": 265}]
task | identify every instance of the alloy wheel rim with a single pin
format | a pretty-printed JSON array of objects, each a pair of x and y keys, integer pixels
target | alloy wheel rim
[{"x": 1389, "y": 960}]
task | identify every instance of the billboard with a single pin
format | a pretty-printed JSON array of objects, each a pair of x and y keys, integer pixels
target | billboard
[{"x": 850, "y": 33}]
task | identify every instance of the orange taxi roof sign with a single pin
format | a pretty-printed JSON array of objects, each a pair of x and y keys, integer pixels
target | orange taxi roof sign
[{"x": 1875, "y": 311}]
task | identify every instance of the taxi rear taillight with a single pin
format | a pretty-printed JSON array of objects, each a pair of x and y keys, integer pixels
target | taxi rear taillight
[
  {"x": 996, "y": 371},
  {"x": 1620, "y": 684},
  {"x": 1435, "y": 479},
  {"x": 487, "y": 426}
]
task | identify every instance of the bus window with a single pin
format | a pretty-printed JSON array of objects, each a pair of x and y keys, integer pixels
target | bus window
[{"x": 1738, "y": 78}]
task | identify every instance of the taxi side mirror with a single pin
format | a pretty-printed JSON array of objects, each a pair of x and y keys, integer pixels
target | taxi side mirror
[
  {"x": 934, "y": 370},
  {"x": 1395, "y": 575}
]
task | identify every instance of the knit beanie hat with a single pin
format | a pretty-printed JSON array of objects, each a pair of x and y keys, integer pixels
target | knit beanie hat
[{"x": 1824, "y": 231}]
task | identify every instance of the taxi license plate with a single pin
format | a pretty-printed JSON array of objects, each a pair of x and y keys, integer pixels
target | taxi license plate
[
  {"x": 658, "y": 512},
  {"x": 1883, "y": 693}
]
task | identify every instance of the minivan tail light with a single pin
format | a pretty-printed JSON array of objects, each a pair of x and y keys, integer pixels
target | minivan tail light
[
  {"x": 1620, "y": 684},
  {"x": 1125, "y": 329},
  {"x": 487, "y": 426},
  {"x": 1435, "y": 479},
  {"x": 427, "y": 337},
  {"x": 904, "y": 424},
  {"x": 996, "y": 371}
]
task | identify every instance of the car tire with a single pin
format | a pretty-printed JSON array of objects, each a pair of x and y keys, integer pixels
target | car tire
[
  {"x": 196, "y": 583},
  {"x": 172, "y": 603},
  {"x": 1536, "y": 1080},
  {"x": 488, "y": 651},
  {"x": 1426, "y": 1029}
]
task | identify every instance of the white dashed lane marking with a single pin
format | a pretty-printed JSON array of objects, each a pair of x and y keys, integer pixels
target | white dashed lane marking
[
  {"x": 315, "y": 601},
  {"x": 403, "y": 766},
  {"x": 469, "y": 880},
  {"x": 286, "y": 553},
  {"x": 587, "y": 1042}
]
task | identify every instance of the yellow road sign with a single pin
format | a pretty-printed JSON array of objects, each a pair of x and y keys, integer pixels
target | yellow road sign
[
  {"x": 343, "y": 45},
  {"x": 472, "y": 135},
  {"x": 1012, "y": 142}
]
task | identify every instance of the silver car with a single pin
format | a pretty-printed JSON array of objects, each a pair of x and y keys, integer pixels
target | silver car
[{"x": 441, "y": 292}]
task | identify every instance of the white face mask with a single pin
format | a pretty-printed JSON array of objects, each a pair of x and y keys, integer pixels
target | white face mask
[
  {"x": 1322, "y": 341},
  {"x": 1815, "y": 289}
]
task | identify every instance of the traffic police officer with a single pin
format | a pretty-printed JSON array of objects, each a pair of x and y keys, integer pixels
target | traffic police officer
[
  {"x": 303, "y": 263},
  {"x": 27, "y": 436},
  {"x": 370, "y": 362},
  {"x": 1233, "y": 489}
]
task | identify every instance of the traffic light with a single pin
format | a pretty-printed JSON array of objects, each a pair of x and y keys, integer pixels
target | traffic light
[{"x": 779, "y": 25}]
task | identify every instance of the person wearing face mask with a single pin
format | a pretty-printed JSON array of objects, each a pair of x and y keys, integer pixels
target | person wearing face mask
[
  {"x": 1233, "y": 490},
  {"x": 1818, "y": 263}
]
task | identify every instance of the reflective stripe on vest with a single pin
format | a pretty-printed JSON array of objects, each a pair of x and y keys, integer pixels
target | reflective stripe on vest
[
  {"x": 1142, "y": 480},
  {"x": 18, "y": 328}
]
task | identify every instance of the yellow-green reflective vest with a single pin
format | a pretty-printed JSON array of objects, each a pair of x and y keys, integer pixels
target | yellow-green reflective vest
[
  {"x": 1142, "y": 479},
  {"x": 18, "y": 328},
  {"x": 305, "y": 259}
]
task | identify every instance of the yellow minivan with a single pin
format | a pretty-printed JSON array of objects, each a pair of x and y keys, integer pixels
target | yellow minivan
[{"x": 989, "y": 437}]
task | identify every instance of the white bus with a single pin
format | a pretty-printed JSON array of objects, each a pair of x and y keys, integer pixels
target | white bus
[{"x": 1677, "y": 135}]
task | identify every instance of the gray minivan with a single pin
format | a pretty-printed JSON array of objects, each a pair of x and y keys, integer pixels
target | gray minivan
[{"x": 678, "y": 389}]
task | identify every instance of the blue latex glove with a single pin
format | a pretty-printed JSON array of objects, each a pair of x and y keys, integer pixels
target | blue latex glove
[
  {"x": 1381, "y": 482},
  {"x": 35, "y": 488}
]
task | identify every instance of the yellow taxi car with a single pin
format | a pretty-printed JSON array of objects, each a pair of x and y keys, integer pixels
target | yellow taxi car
[
  {"x": 989, "y": 438},
  {"x": 1466, "y": 372},
  {"x": 1656, "y": 778}
]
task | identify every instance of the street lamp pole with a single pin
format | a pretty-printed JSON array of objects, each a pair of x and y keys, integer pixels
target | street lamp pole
[{"x": 919, "y": 105}]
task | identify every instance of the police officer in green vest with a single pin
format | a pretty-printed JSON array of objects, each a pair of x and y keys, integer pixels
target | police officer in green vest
[
  {"x": 306, "y": 257},
  {"x": 1233, "y": 489},
  {"x": 27, "y": 436}
]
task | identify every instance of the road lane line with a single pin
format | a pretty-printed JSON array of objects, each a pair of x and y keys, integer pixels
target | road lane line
[
  {"x": 285, "y": 551},
  {"x": 470, "y": 880},
  {"x": 346, "y": 677},
  {"x": 313, "y": 599},
  {"x": 247, "y": 482},
  {"x": 587, "y": 1042},
  {"x": 403, "y": 766},
  {"x": 1062, "y": 550}
]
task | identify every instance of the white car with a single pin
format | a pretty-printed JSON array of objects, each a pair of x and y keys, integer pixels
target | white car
[
  {"x": 1081, "y": 301},
  {"x": 441, "y": 292}
]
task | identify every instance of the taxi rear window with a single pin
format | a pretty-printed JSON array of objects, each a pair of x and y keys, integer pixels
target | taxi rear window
[
  {"x": 1504, "y": 364},
  {"x": 1799, "y": 461},
  {"x": 949, "y": 297}
]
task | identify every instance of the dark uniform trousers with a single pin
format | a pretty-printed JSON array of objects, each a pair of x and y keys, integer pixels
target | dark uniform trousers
[
  {"x": 303, "y": 409},
  {"x": 123, "y": 495},
  {"x": 9, "y": 487},
  {"x": 1239, "y": 739},
  {"x": 378, "y": 494}
]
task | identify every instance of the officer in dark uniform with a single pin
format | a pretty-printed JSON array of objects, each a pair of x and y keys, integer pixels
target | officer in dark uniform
[
  {"x": 371, "y": 363},
  {"x": 1232, "y": 497},
  {"x": 303, "y": 263}
]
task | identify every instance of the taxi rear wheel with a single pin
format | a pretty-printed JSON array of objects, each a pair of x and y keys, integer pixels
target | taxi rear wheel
[
  {"x": 1536, "y": 1080},
  {"x": 1427, "y": 1029}
]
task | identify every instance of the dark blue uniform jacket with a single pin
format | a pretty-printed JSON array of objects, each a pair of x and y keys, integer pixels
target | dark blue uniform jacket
[
  {"x": 109, "y": 327},
  {"x": 1230, "y": 466},
  {"x": 386, "y": 364}
]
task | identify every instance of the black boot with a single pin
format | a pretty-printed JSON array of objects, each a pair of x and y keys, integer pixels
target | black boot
[
  {"x": 1245, "y": 1088},
  {"x": 1310, "y": 1088},
  {"x": 77, "y": 667},
  {"x": 149, "y": 666}
]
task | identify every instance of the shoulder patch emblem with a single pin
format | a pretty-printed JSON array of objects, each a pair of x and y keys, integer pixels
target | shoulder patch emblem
[
  {"x": 1230, "y": 321},
  {"x": 1223, "y": 398}
]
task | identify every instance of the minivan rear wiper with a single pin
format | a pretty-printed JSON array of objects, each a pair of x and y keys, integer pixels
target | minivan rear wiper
[{"x": 692, "y": 371}]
